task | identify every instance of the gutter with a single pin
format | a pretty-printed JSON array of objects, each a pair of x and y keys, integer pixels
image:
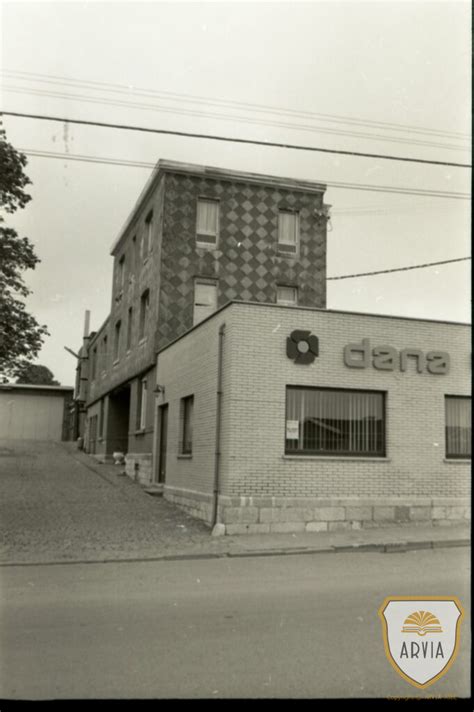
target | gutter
[{"x": 217, "y": 460}]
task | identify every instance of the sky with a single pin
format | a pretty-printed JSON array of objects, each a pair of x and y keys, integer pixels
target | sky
[{"x": 385, "y": 78}]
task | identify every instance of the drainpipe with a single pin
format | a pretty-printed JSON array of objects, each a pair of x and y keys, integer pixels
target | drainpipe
[{"x": 218, "y": 425}]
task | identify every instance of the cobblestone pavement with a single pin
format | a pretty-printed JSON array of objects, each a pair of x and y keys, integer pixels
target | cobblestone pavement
[{"x": 57, "y": 503}]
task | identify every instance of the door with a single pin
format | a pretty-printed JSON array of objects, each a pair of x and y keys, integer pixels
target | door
[{"x": 163, "y": 430}]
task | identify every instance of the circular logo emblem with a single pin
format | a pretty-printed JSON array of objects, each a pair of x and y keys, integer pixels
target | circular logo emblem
[{"x": 302, "y": 346}]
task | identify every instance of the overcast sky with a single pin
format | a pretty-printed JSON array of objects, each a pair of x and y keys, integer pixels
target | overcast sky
[{"x": 398, "y": 73}]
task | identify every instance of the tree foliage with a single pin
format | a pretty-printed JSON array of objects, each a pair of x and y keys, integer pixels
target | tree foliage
[
  {"x": 21, "y": 337},
  {"x": 39, "y": 375}
]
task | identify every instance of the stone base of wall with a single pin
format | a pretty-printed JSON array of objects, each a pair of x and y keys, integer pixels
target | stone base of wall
[
  {"x": 197, "y": 504},
  {"x": 138, "y": 467},
  {"x": 262, "y": 515}
]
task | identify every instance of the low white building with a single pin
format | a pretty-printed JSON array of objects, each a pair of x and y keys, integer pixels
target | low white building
[{"x": 272, "y": 419}]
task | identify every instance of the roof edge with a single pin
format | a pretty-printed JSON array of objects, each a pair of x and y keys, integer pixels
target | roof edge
[{"x": 163, "y": 166}]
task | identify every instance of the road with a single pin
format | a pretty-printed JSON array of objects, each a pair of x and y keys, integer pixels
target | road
[{"x": 283, "y": 626}]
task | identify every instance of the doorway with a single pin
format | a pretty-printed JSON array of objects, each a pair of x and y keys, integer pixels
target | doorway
[{"x": 163, "y": 435}]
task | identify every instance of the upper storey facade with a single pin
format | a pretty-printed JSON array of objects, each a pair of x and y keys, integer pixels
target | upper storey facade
[{"x": 197, "y": 238}]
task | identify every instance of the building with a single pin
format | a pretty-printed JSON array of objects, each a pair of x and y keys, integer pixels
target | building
[
  {"x": 34, "y": 412},
  {"x": 273, "y": 419},
  {"x": 197, "y": 238},
  {"x": 231, "y": 388}
]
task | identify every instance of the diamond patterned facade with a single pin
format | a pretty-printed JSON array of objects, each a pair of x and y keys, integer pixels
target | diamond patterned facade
[{"x": 246, "y": 263}]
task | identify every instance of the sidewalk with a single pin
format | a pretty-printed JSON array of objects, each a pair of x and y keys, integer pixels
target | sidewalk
[{"x": 61, "y": 506}]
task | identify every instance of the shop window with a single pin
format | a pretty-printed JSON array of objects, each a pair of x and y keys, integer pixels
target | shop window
[
  {"x": 118, "y": 327},
  {"x": 287, "y": 296},
  {"x": 207, "y": 222},
  {"x": 458, "y": 426},
  {"x": 186, "y": 444},
  {"x": 205, "y": 300},
  {"x": 141, "y": 404},
  {"x": 144, "y": 309},
  {"x": 322, "y": 421},
  {"x": 288, "y": 232}
]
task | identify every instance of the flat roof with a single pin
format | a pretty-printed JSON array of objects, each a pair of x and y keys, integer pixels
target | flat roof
[
  {"x": 312, "y": 309},
  {"x": 165, "y": 166}
]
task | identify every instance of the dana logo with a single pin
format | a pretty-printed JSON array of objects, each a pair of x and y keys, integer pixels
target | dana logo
[
  {"x": 421, "y": 636},
  {"x": 302, "y": 346}
]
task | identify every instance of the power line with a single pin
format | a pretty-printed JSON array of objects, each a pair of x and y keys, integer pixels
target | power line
[
  {"x": 398, "y": 190},
  {"x": 233, "y": 118},
  {"x": 398, "y": 269},
  {"x": 213, "y": 101},
  {"x": 213, "y": 137}
]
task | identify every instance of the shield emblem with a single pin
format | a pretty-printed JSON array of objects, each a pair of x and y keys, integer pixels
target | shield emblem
[{"x": 421, "y": 635}]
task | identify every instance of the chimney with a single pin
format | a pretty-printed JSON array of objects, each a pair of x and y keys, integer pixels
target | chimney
[{"x": 87, "y": 320}]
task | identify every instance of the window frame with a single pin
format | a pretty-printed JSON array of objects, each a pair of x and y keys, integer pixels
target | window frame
[
  {"x": 117, "y": 333},
  {"x": 128, "y": 344},
  {"x": 186, "y": 425},
  {"x": 207, "y": 282},
  {"x": 149, "y": 233},
  {"x": 105, "y": 353},
  {"x": 447, "y": 454},
  {"x": 144, "y": 314},
  {"x": 121, "y": 274},
  {"x": 284, "y": 302},
  {"x": 282, "y": 244},
  {"x": 382, "y": 453},
  {"x": 207, "y": 244}
]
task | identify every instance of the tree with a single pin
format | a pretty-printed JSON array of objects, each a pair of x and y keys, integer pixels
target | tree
[
  {"x": 21, "y": 337},
  {"x": 39, "y": 375}
]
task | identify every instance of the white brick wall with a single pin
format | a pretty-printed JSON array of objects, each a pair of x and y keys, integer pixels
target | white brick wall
[{"x": 256, "y": 372}]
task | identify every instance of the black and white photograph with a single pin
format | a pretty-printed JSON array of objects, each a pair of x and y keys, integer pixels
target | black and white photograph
[{"x": 235, "y": 350}]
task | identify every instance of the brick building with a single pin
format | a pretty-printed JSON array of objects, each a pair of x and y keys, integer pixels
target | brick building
[
  {"x": 197, "y": 238},
  {"x": 273, "y": 418},
  {"x": 231, "y": 388}
]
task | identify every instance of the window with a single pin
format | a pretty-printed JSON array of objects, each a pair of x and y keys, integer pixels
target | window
[
  {"x": 104, "y": 353},
  {"x": 207, "y": 222},
  {"x": 149, "y": 233},
  {"x": 141, "y": 405},
  {"x": 144, "y": 309},
  {"x": 321, "y": 421},
  {"x": 121, "y": 274},
  {"x": 187, "y": 407},
  {"x": 129, "y": 328},
  {"x": 458, "y": 426},
  {"x": 118, "y": 327},
  {"x": 287, "y": 295},
  {"x": 205, "y": 300},
  {"x": 135, "y": 252},
  {"x": 94, "y": 363},
  {"x": 288, "y": 231}
]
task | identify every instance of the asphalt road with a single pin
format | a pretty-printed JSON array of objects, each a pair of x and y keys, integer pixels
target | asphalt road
[{"x": 284, "y": 626}]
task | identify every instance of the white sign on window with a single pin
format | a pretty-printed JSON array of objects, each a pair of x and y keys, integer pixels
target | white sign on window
[{"x": 292, "y": 429}]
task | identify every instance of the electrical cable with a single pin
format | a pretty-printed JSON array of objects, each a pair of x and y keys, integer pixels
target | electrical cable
[
  {"x": 398, "y": 269},
  {"x": 235, "y": 119},
  {"x": 399, "y": 190},
  {"x": 214, "y": 137},
  {"x": 175, "y": 96}
]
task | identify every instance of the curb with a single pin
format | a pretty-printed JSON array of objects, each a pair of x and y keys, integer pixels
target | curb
[{"x": 392, "y": 548}]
